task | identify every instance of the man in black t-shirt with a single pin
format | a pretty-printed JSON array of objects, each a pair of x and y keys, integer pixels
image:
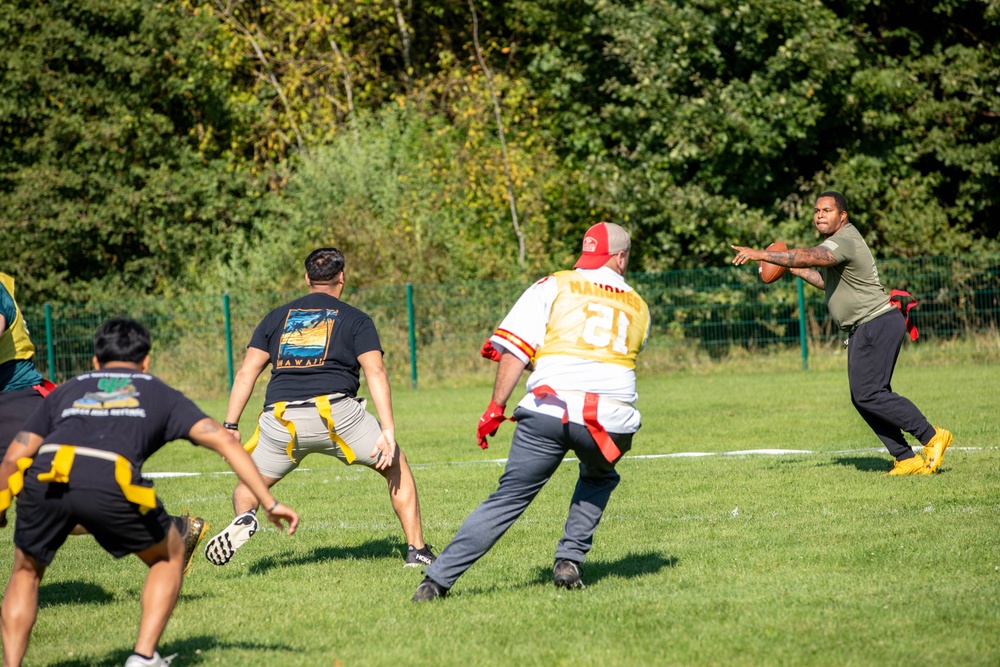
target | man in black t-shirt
[
  {"x": 78, "y": 461},
  {"x": 316, "y": 347}
]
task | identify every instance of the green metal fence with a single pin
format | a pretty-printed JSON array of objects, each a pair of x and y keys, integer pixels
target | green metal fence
[{"x": 432, "y": 333}]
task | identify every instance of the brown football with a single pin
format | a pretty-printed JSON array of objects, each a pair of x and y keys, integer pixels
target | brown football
[{"x": 771, "y": 272}]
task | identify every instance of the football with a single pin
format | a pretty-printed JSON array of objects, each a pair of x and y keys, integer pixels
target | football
[{"x": 771, "y": 272}]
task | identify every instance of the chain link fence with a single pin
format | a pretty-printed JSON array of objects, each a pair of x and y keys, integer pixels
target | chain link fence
[{"x": 431, "y": 334}]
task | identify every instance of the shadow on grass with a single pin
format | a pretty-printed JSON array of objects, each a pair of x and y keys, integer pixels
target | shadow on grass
[
  {"x": 72, "y": 592},
  {"x": 864, "y": 463},
  {"x": 631, "y": 566},
  {"x": 190, "y": 651},
  {"x": 84, "y": 593},
  {"x": 384, "y": 548}
]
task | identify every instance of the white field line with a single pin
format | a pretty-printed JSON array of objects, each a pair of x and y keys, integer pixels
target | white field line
[{"x": 676, "y": 455}]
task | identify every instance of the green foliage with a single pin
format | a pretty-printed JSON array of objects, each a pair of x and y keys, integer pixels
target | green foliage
[
  {"x": 157, "y": 147},
  {"x": 116, "y": 167},
  {"x": 712, "y": 121},
  {"x": 408, "y": 197}
]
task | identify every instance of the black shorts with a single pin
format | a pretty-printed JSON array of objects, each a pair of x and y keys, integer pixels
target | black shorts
[
  {"x": 48, "y": 511},
  {"x": 15, "y": 408}
]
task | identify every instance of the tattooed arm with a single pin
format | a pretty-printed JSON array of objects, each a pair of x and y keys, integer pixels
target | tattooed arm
[
  {"x": 801, "y": 258},
  {"x": 802, "y": 261},
  {"x": 811, "y": 276}
]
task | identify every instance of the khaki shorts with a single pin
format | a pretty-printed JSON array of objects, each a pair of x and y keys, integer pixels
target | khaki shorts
[{"x": 351, "y": 422}]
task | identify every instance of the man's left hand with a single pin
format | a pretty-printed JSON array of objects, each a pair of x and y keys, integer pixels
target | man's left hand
[
  {"x": 745, "y": 254},
  {"x": 386, "y": 446}
]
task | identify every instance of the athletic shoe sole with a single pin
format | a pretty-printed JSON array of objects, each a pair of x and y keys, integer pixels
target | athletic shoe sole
[{"x": 221, "y": 548}]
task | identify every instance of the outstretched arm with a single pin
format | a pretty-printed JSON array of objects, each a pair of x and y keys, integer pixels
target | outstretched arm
[
  {"x": 210, "y": 434},
  {"x": 378, "y": 385},
  {"x": 800, "y": 258}
]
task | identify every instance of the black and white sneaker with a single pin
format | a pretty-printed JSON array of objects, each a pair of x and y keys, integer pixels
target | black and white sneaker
[
  {"x": 421, "y": 557},
  {"x": 566, "y": 574},
  {"x": 429, "y": 590},
  {"x": 221, "y": 548}
]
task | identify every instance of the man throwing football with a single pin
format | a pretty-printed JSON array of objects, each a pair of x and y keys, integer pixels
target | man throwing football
[{"x": 875, "y": 327}]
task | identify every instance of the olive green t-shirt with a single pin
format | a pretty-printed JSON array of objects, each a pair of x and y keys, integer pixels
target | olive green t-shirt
[{"x": 854, "y": 293}]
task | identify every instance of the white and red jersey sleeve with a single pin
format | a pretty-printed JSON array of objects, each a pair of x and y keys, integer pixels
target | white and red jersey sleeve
[{"x": 522, "y": 331}]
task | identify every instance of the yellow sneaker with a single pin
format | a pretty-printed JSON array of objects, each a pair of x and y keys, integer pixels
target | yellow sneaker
[
  {"x": 910, "y": 466},
  {"x": 934, "y": 450}
]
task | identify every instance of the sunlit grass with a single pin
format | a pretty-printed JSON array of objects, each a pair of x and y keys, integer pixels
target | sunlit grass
[{"x": 808, "y": 558}]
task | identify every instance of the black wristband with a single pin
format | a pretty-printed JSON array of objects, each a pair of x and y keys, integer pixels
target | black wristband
[
  {"x": 272, "y": 506},
  {"x": 231, "y": 426}
]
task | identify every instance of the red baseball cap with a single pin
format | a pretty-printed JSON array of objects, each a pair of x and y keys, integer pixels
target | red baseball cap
[{"x": 599, "y": 244}]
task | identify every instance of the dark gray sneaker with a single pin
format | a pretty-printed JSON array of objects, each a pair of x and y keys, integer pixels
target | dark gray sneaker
[
  {"x": 566, "y": 574},
  {"x": 429, "y": 590},
  {"x": 419, "y": 557}
]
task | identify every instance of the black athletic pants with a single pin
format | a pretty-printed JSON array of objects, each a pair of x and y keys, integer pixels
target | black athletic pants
[{"x": 871, "y": 358}]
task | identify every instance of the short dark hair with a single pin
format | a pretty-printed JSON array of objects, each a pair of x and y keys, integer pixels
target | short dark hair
[
  {"x": 837, "y": 197},
  {"x": 323, "y": 264},
  {"x": 121, "y": 339}
]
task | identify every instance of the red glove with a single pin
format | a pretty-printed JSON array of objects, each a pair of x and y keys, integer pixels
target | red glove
[
  {"x": 490, "y": 422},
  {"x": 490, "y": 352}
]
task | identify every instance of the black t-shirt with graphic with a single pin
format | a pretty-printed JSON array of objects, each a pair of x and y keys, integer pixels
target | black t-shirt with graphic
[
  {"x": 314, "y": 343},
  {"x": 120, "y": 411}
]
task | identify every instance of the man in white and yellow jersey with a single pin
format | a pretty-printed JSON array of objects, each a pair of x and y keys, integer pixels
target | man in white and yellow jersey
[{"x": 579, "y": 332}]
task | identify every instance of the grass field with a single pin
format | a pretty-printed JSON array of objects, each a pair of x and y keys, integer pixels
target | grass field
[{"x": 729, "y": 558}]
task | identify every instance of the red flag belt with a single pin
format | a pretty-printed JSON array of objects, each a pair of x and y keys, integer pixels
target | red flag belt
[
  {"x": 44, "y": 388},
  {"x": 895, "y": 298},
  {"x": 604, "y": 442}
]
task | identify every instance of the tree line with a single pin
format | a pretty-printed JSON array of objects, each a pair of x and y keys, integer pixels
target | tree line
[{"x": 157, "y": 148}]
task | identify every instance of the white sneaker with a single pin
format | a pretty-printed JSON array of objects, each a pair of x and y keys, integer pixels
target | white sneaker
[
  {"x": 136, "y": 660},
  {"x": 221, "y": 548}
]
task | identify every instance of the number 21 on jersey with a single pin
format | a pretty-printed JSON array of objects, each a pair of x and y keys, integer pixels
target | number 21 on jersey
[{"x": 606, "y": 326}]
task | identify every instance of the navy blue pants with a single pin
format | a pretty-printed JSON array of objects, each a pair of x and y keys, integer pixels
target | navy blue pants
[
  {"x": 539, "y": 445},
  {"x": 871, "y": 359}
]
